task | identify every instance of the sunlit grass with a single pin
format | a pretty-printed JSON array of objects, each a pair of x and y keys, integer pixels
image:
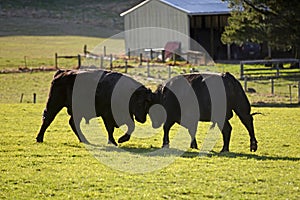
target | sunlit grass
[
  {"x": 62, "y": 168},
  {"x": 37, "y": 51}
]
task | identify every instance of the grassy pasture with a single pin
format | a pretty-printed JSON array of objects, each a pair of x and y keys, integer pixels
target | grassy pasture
[
  {"x": 62, "y": 168},
  {"x": 40, "y": 50}
]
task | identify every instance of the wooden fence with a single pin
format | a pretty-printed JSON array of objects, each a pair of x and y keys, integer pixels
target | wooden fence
[
  {"x": 78, "y": 57},
  {"x": 273, "y": 69}
]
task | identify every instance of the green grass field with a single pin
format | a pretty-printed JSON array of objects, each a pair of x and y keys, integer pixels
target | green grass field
[
  {"x": 62, "y": 168},
  {"x": 40, "y": 50}
]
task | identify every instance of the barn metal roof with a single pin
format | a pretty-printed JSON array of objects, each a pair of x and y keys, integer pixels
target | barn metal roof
[
  {"x": 199, "y": 7},
  {"x": 192, "y": 7}
]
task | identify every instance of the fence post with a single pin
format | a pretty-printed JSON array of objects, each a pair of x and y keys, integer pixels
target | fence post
[
  {"x": 128, "y": 53},
  {"x": 126, "y": 66},
  {"x": 163, "y": 56},
  {"x": 148, "y": 68},
  {"x": 272, "y": 86},
  {"x": 174, "y": 59},
  {"x": 277, "y": 70},
  {"x": 242, "y": 71},
  {"x": 111, "y": 62},
  {"x": 101, "y": 62},
  {"x": 151, "y": 54},
  {"x": 56, "y": 61},
  {"x": 79, "y": 61},
  {"x": 246, "y": 84},
  {"x": 85, "y": 49},
  {"x": 104, "y": 51},
  {"x": 290, "y": 91},
  {"x": 170, "y": 71},
  {"x": 34, "y": 97},
  {"x": 299, "y": 92},
  {"x": 21, "y": 99},
  {"x": 141, "y": 59},
  {"x": 25, "y": 62}
]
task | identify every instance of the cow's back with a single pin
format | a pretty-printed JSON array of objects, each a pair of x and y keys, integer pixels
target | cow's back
[{"x": 223, "y": 86}]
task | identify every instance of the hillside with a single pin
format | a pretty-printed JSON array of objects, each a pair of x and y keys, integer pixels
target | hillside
[{"x": 99, "y": 18}]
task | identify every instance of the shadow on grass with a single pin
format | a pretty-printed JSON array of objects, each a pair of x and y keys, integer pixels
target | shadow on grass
[
  {"x": 193, "y": 154},
  {"x": 254, "y": 156},
  {"x": 153, "y": 151},
  {"x": 275, "y": 105}
]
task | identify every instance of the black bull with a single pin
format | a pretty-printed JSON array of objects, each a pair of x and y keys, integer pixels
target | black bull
[
  {"x": 215, "y": 96},
  {"x": 90, "y": 94}
]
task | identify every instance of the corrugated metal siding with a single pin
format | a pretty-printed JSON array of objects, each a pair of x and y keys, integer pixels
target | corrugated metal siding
[{"x": 156, "y": 14}]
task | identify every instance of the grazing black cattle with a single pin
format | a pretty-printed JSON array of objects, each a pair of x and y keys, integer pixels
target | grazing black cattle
[
  {"x": 87, "y": 94},
  {"x": 190, "y": 98}
]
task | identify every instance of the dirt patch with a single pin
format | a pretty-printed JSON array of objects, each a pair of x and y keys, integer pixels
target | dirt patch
[{"x": 28, "y": 70}]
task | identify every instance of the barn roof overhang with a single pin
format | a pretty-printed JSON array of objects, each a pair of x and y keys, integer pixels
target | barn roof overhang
[
  {"x": 134, "y": 8},
  {"x": 191, "y": 7}
]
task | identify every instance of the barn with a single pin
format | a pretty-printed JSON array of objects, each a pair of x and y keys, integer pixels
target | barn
[{"x": 154, "y": 23}]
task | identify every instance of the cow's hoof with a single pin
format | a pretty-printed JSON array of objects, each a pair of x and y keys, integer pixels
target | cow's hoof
[
  {"x": 253, "y": 146},
  {"x": 194, "y": 145},
  {"x": 39, "y": 140},
  {"x": 112, "y": 142},
  {"x": 224, "y": 151},
  {"x": 166, "y": 146},
  {"x": 124, "y": 138}
]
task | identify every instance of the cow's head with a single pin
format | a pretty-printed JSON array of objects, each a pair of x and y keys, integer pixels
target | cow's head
[
  {"x": 140, "y": 103},
  {"x": 157, "y": 112}
]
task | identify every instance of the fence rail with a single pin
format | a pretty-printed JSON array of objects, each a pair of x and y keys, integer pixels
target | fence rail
[
  {"x": 275, "y": 71},
  {"x": 78, "y": 57}
]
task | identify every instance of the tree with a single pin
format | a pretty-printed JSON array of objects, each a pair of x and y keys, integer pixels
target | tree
[{"x": 276, "y": 22}]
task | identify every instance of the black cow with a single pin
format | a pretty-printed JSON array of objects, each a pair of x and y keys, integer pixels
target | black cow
[
  {"x": 190, "y": 98},
  {"x": 89, "y": 94}
]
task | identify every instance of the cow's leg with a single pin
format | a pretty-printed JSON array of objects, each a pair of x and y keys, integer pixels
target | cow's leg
[
  {"x": 247, "y": 120},
  {"x": 192, "y": 132},
  {"x": 48, "y": 117},
  {"x": 75, "y": 125},
  {"x": 110, "y": 130},
  {"x": 226, "y": 132},
  {"x": 167, "y": 126},
  {"x": 126, "y": 136}
]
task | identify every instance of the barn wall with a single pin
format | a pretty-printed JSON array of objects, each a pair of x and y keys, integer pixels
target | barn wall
[{"x": 156, "y": 14}]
